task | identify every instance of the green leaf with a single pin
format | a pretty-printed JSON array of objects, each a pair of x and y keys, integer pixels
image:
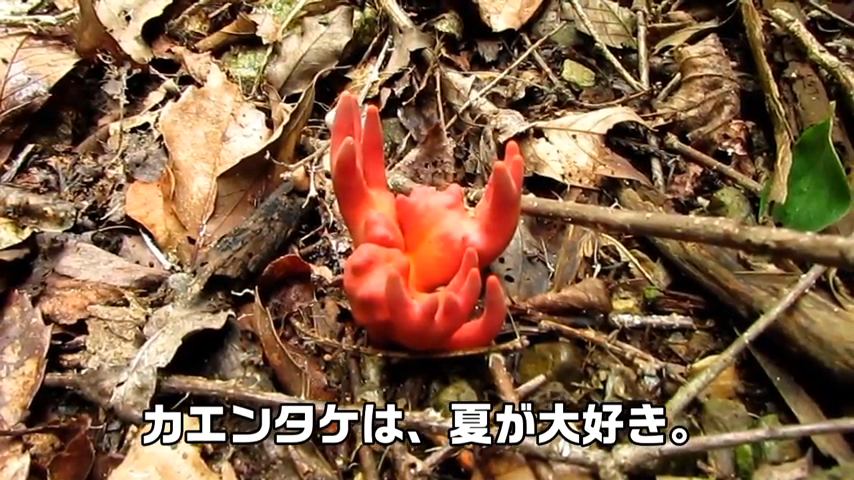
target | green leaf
[{"x": 818, "y": 190}]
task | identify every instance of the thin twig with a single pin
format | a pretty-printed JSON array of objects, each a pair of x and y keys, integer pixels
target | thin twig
[
  {"x": 830, "y": 13},
  {"x": 541, "y": 62},
  {"x": 642, "y": 13},
  {"x": 370, "y": 470},
  {"x": 38, "y": 20},
  {"x": 783, "y": 136},
  {"x": 629, "y": 457},
  {"x": 689, "y": 391},
  {"x": 700, "y": 158},
  {"x": 825, "y": 249},
  {"x": 600, "y": 45},
  {"x": 489, "y": 86},
  {"x": 642, "y": 360},
  {"x": 624, "y": 458},
  {"x": 816, "y": 52}
]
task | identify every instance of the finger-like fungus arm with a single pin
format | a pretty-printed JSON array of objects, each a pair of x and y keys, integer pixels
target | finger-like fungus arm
[{"x": 358, "y": 171}]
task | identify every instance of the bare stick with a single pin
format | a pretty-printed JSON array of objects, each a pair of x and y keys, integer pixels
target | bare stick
[
  {"x": 600, "y": 45},
  {"x": 689, "y": 391},
  {"x": 825, "y": 249},
  {"x": 783, "y": 136},
  {"x": 816, "y": 52},
  {"x": 700, "y": 158},
  {"x": 641, "y": 10},
  {"x": 501, "y": 76}
]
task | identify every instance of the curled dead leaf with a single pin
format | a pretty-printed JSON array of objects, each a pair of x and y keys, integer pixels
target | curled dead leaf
[
  {"x": 124, "y": 21},
  {"x": 503, "y": 15},
  {"x": 314, "y": 46},
  {"x": 573, "y": 148},
  {"x": 24, "y": 340}
]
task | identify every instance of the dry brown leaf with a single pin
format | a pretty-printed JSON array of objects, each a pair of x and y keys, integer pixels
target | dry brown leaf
[
  {"x": 66, "y": 300},
  {"x": 243, "y": 186},
  {"x": 207, "y": 132},
  {"x": 24, "y": 340},
  {"x": 90, "y": 35},
  {"x": 290, "y": 120},
  {"x": 590, "y": 294},
  {"x": 72, "y": 455},
  {"x": 682, "y": 35},
  {"x": 30, "y": 65},
  {"x": 179, "y": 461},
  {"x": 84, "y": 261},
  {"x": 124, "y": 19},
  {"x": 573, "y": 148},
  {"x": 14, "y": 460},
  {"x": 614, "y": 24},
  {"x": 405, "y": 42},
  {"x": 314, "y": 46},
  {"x": 503, "y": 15},
  {"x": 145, "y": 203},
  {"x": 288, "y": 280},
  {"x": 135, "y": 384},
  {"x": 230, "y": 34},
  {"x": 708, "y": 99},
  {"x": 220, "y": 172}
]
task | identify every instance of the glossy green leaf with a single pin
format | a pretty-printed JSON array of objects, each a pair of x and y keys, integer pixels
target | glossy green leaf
[{"x": 818, "y": 190}]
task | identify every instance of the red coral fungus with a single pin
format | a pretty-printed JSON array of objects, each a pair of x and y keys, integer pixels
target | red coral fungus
[
  {"x": 391, "y": 313},
  {"x": 414, "y": 278},
  {"x": 437, "y": 227},
  {"x": 358, "y": 173}
]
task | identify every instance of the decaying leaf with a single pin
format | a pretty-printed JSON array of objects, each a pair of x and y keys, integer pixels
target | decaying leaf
[
  {"x": 296, "y": 370},
  {"x": 573, "y": 148},
  {"x": 64, "y": 449},
  {"x": 577, "y": 74},
  {"x": 146, "y": 204},
  {"x": 614, "y": 24},
  {"x": 84, "y": 261},
  {"x": 165, "y": 331},
  {"x": 708, "y": 99},
  {"x": 66, "y": 300},
  {"x": 314, "y": 46},
  {"x": 36, "y": 212},
  {"x": 405, "y": 43},
  {"x": 24, "y": 340},
  {"x": 178, "y": 461},
  {"x": 30, "y": 65},
  {"x": 11, "y": 233},
  {"x": 124, "y": 20},
  {"x": 503, "y": 15},
  {"x": 682, "y": 35},
  {"x": 431, "y": 162},
  {"x": 522, "y": 274},
  {"x": 216, "y": 172}
]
